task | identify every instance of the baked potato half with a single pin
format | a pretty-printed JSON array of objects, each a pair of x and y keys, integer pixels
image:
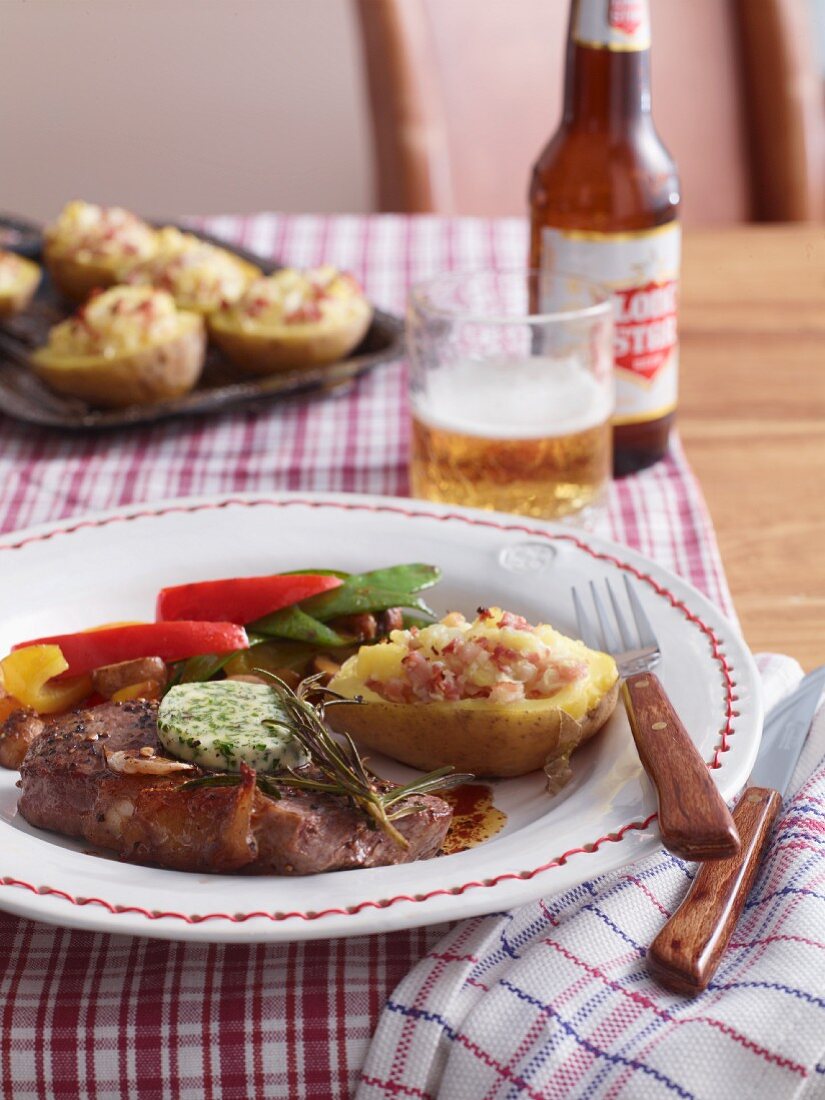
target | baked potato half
[
  {"x": 19, "y": 279},
  {"x": 87, "y": 247},
  {"x": 127, "y": 346},
  {"x": 292, "y": 319},
  {"x": 496, "y": 697},
  {"x": 199, "y": 275}
]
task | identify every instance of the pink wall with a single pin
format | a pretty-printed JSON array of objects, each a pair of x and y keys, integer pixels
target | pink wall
[
  {"x": 173, "y": 106},
  {"x": 176, "y": 106}
]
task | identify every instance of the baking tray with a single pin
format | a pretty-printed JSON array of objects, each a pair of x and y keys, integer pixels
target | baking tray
[{"x": 24, "y": 397}]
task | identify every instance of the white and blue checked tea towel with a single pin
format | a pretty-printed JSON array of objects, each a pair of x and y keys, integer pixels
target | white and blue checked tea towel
[{"x": 553, "y": 1000}]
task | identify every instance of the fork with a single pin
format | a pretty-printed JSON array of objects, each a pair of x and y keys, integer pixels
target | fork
[{"x": 694, "y": 821}]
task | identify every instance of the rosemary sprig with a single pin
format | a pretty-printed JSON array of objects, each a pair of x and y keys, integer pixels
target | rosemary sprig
[
  {"x": 343, "y": 770},
  {"x": 342, "y": 767}
]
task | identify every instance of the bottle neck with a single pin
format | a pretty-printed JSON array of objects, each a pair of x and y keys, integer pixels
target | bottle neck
[{"x": 607, "y": 81}]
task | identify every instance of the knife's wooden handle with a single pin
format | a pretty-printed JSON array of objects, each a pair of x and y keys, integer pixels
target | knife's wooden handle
[
  {"x": 694, "y": 821},
  {"x": 686, "y": 952}
]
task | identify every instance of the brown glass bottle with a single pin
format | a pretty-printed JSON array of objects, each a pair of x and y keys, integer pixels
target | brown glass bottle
[{"x": 604, "y": 203}]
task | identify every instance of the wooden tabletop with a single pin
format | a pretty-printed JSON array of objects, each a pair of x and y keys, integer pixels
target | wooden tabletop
[{"x": 752, "y": 418}]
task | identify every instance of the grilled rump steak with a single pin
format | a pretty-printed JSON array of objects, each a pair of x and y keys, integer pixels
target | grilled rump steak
[{"x": 71, "y": 787}]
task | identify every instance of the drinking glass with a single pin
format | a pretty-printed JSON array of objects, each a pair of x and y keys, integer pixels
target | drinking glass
[{"x": 510, "y": 404}]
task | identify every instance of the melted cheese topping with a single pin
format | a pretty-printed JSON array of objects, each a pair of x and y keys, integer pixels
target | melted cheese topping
[
  {"x": 199, "y": 275},
  {"x": 89, "y": 232},
  {"x": 290, "y": 297},
  {"x": 499, "y": 659},
  {"x": 117, "y": 322}
]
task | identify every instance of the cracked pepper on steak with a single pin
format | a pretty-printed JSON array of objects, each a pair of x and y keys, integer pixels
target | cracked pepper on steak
[{"x": 70, "y": 787}]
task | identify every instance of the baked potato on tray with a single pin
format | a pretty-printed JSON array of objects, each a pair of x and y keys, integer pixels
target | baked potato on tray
[
  {"x": 125, "y": 346},
  {"x": 86, "y": 247},
  {"x": 19, "y": 279},
  {"x": 27, "y": 397}
]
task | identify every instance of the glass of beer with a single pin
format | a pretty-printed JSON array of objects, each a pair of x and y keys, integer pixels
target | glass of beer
[{"x": 511, "y": 392}]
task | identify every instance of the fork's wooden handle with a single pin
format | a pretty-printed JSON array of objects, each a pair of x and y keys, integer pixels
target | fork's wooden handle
[
  {"x": 685, "y": 954},
  {"x": 694, "y": 821}
]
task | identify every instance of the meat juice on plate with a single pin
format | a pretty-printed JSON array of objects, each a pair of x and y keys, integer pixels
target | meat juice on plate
[
  {"x": 514, "y": 435},
  {"x": 475, "y": 817}
]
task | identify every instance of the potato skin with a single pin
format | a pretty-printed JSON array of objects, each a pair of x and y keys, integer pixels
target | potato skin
[
  {"x": 501, "y": 741},
  {"x": 289, "y": 346},
  {"x": 16, "y": 298},
  {"x": 76, "y": 279},
  {"x": 152, "y": 374}
]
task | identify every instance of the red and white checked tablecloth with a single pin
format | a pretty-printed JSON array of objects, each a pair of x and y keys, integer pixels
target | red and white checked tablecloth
[{"x": 105, "y": 1016}]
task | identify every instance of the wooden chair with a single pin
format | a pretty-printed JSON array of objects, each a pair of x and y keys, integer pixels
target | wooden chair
[{"x": 465, "y": 93}]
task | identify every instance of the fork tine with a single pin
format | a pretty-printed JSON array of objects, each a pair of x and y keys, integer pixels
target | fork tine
[
  {"x": 611, "y": 639},
  {"x": 587, "y": 632},
  {"x": 643, "y": 624},
  {"x": 627, "y": 637}
]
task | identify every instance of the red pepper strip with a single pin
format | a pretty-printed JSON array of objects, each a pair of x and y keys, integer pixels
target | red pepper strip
[
  {"x": 171, "y": 641},
  {"x": 239, "y": 599}
]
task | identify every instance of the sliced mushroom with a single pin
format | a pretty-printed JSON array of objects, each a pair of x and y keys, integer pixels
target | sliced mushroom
[
  {"x": 391, "y": 619},
  {"x": 110, "y": 679},
  {"x": 362, "y": 628}
]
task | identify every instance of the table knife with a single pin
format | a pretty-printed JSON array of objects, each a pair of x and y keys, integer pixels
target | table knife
[{"x": 686, "y": 952}]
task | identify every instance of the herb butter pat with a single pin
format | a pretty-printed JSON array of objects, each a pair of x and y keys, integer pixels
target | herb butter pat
[{"x": 222, "y": 724}]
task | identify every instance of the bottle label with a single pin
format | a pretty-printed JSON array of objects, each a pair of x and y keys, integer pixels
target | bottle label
[
  {"x": 612, "y": 24},
  {"x": 642, "y": 271}
]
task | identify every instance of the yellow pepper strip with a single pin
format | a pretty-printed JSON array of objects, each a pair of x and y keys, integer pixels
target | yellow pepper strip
[
  {"x": 146, "y": 689},
  {"x": 28, "y": 675}
]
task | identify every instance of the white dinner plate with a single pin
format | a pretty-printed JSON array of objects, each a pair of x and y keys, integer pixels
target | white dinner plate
[{"x": 110, "y": 566}]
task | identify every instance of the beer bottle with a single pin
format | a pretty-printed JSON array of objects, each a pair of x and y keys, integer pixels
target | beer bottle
[{"x": 604, "y": 204}]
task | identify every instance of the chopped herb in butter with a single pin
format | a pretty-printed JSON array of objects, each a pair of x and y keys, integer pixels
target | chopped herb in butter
[{"x": 221, "y": 724}]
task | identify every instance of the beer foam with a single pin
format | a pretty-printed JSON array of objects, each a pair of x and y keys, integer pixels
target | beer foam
[{"x": 533, "y": 398}]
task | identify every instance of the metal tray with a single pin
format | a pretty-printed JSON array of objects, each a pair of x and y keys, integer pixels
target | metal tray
[{"x": 24, "y": 397}]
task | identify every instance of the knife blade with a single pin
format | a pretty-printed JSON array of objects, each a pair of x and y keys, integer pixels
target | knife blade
[{"x": 686, "y": 952}]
